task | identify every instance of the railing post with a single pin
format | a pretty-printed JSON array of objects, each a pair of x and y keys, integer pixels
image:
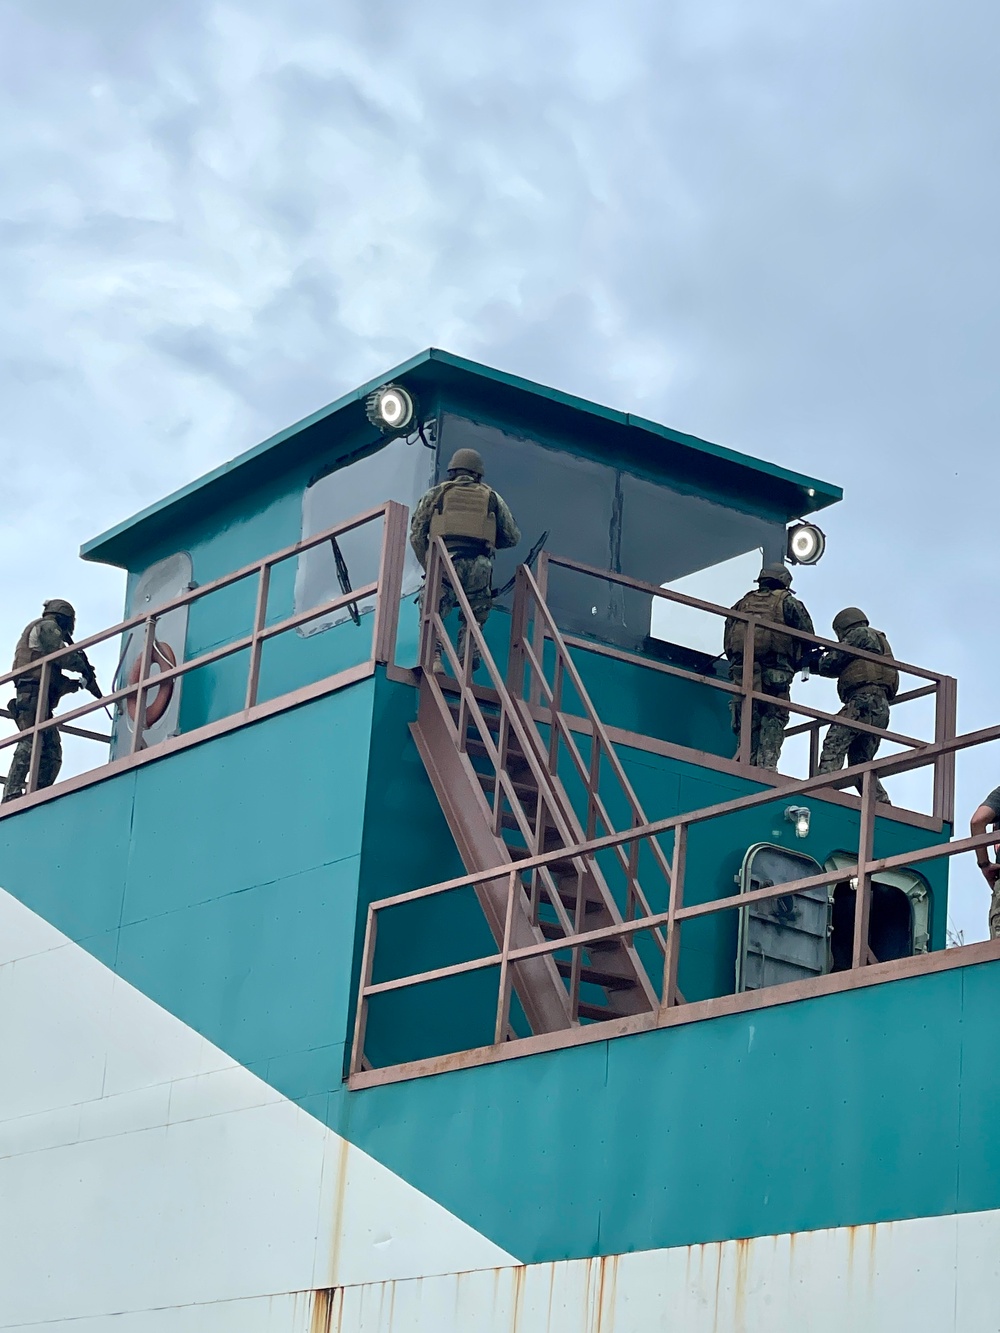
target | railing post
[
  {"x": 41, "y": 708},
  {"x": 390, "y": 583},
  {"x": 518, "y": 629},
  {"x": 862, "y": 899},
  {"x": 259, "y": 617},
  {"x": 538, "y": 627},
  {"x": 145, "y": 661},
  {"x": 429, "y": 605},
  {"x": 945, "y": 720},
  {"x": 671, "y": 955},
  {"x": 367, "y": 967},
  {"x": 503, "y": 999},
  {"x": 743, "y": 754}
]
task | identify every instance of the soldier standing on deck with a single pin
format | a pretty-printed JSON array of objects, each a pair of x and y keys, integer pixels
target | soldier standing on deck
[
  {"x": 54, "y": 630},
  {"x": 776, "y": 657},
  {"x": 866, "y": 690},
  {"x": 474, "y": 521}
]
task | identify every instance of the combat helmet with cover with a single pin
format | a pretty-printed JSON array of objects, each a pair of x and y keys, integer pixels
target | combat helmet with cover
[
  {"x": 467, "y": 460},
  {"x": 775, "y": 573},
  {"x": 847, "y": 619},
  {"x": 58, "y": 606}
]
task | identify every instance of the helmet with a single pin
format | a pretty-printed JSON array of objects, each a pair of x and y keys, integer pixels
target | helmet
[
  {"x": 775, "y": 574},
  {"x": 467, "y": 460},
  {"x": 55, "y": 606},
  {"x": 848, "y": 618}
]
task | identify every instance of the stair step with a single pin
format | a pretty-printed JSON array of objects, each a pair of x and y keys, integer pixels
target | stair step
[
  {"x": 597, "y": 1012},
  {"x": 608, "y": 981},
  {"x": 568, "y": 898},
  {"x": 521, "y": 789},
  {"x": 515, "y": 755},
  {"x": 551, "y": 930}
]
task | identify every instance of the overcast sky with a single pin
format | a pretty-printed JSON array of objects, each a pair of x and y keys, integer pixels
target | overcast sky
[{"x": 770, "y": 225}]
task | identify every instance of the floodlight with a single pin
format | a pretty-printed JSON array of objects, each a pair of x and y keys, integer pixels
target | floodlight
[
  {"x": 806, "y": 543},
  {"x": 799, "y": 815},
  {"x": 392, "y": 408}
]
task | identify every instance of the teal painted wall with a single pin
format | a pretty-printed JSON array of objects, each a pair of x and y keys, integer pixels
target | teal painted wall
[
  {"x": 866, "y": 1106},
  {"x": 221, "y": 881}
]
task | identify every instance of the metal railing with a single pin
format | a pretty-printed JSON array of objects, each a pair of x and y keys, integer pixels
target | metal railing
[
  {"x": 673, "y": 919},
  {"x": 534, "y": 807},
  {"x": 529, "y": 672},
  {"x": 386, "y": 589},
  {"x": 940, "y": 687}
]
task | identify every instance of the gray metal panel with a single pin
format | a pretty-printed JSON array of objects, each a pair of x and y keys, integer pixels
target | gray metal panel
[{"x": 783, "y": 939}]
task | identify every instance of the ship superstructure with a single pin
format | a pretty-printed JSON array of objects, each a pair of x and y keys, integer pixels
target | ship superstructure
[{"x": 341, "y": 994}]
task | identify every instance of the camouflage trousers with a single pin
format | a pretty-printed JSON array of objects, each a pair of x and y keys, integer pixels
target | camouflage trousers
[
  {"x": 767, "y": 721},
  {"x": 868, "y": 703},
  {"x": 475, "y": 573},
  {"x": 50, "y": 759}
]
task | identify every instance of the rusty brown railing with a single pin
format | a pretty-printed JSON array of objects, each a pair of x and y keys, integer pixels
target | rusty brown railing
[
  {"x": 540, "y": 807},
  {"x": 532, "y": 625},
  {"x": 386, "y": 590},
  {"x": 864, "y": 970},
  {"x": 941, "y": 687}
]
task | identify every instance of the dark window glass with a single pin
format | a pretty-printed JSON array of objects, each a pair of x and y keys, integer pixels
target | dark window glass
[
  {"x": 548, "y": 490},
  {"x": 605, "y": 517},
  {"x": 666, "y": 535},
  {"x": 397, "y": 471}
]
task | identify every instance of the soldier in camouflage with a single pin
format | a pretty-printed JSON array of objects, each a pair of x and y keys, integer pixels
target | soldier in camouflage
[
  {"x": 54, "y": 630},
  {"x": 866, "y": 689},
  {"x": 474, "y": 521},
  {"x": 776, "y": 657}
]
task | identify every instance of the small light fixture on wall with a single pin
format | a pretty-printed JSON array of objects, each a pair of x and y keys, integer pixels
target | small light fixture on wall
[{"x": 799, "y": 815}]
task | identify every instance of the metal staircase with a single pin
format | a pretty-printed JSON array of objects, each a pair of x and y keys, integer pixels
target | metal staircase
[{"x": 499, "y": 787}]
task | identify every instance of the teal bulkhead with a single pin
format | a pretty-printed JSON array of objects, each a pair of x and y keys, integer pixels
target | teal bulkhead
[{"x": 230, "y": 882}]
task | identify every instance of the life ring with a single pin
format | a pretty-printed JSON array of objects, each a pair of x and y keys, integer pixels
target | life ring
[{"x": 158, "y": 702}]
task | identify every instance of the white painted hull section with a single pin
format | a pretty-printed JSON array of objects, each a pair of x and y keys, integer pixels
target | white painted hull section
[{"x": 143, "y": 1169}]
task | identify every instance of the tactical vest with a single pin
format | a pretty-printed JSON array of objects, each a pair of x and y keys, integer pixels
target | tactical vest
[
  {"x": 463, "y": 510},
  {"x": 769, "y": 604},
  {"x": 860, "y": 672},
  {"x": 24, "y": 655}
]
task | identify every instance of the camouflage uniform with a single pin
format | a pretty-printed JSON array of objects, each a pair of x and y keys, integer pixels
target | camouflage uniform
[
  {"x": 473, "y": 565},
  {"x": 772, "y": 674},
  {"x": 866, "y": 702},
  {"x": 40, "y": 638}
]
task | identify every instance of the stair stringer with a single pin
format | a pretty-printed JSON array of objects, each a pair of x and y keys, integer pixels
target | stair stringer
[
  {"x": 536, "y": 981},
  {"x": 626, "y": 962}
]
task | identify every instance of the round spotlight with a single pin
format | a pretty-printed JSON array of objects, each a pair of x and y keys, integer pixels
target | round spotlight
[
  {"x": 391, "y": 408},
  {"x": 806, "y": 544}
]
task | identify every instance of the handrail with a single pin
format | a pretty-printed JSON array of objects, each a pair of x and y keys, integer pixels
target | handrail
[
  {"x": 859, "y": 874},
  {"x": 386, "y": 590},
  {"x": 942, "y": 687},
  {"x": 512, "y": 721},
  {"x": 668, "y": 594},
  {"x": 528, "y": 602}
]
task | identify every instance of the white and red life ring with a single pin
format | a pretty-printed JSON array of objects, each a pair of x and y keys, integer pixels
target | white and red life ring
[{"x": 158, "y": 701}]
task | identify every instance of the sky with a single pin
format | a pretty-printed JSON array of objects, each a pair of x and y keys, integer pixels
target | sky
[{"x": 771, "y": 226}]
